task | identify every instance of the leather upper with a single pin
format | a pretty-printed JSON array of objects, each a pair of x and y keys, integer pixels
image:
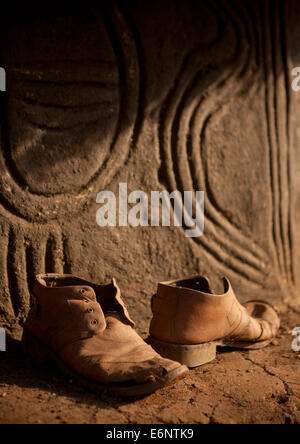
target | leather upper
[
  {"x": 188, "y": 312},
  {"x": 89, "y": 328}
]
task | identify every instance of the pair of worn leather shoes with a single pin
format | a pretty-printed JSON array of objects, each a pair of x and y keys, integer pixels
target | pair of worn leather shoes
[{"x": 87, "y": 331}]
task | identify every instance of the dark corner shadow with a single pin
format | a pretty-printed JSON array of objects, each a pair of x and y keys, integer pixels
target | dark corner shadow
[
  {"x": 229, "y": 350},
  {"x": 17, "y": 369}
]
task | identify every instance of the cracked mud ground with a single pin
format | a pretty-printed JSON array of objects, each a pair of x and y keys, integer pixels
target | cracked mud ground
[{"x": 238, "y": 387}]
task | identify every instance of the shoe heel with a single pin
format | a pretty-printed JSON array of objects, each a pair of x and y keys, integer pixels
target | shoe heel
[
  {"x": 34, "y": 348},
  {"x": 189, "y": 355}
]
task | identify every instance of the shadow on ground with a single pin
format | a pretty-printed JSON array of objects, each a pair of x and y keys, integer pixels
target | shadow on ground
[{"x": 239, "y": 387}]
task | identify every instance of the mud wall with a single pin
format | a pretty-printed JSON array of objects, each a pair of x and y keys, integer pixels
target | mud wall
[{"x": 176, "y": 95}]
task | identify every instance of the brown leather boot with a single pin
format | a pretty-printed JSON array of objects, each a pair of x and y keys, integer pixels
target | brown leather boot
[
  {"x": 190, "y": 321},
  {"x": 87, "y": 331}
]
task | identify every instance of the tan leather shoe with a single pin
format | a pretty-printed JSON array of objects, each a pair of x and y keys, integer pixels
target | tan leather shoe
[
  {"x": 87, "y": 331},
  {"x": 190, "y": 321}
]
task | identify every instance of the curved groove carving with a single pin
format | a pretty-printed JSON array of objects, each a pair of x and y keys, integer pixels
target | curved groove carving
[
  {"x": 193, "y": 104},
  {"x": 34, "y": 241},
  {"x": 25, "y": 253},
  {"x": 277, "y": 97},
  {"x": 183, "y": 124},
  {"x": 43, "y": 206}
]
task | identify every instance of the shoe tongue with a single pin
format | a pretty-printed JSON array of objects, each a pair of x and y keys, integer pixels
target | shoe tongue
[{"x": 111, "y": 302}]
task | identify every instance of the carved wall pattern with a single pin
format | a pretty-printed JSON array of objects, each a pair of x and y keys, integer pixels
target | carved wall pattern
[
  {"x": 31, "y": 216},
  {"x": 195, "y": 102},
  {"x": 246, "y": 62}
]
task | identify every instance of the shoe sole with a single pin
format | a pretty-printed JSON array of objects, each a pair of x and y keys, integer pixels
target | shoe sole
[
  {"x": 42, "y": 354},
  {"x": 196, "y": 355}
]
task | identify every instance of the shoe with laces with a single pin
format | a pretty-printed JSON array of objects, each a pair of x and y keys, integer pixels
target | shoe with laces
[{"x": 87, "y": 331}]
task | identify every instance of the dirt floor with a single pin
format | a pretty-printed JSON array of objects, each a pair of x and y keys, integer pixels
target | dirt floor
[{"x": 238, "y": 387}]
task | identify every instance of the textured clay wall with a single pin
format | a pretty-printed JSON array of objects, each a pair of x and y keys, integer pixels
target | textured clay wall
[{"x": 174, "y": 94}]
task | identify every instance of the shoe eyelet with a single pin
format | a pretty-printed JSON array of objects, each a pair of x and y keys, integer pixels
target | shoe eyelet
[
  {"x": 95, "y": 322},
  {"x": 82, "y": 291},
  {"x": 90, "y": 310}
]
